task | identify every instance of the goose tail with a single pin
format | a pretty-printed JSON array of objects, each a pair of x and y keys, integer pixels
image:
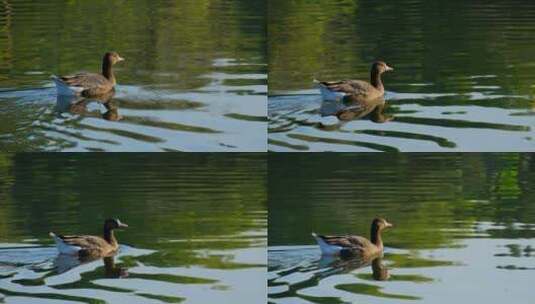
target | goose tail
[
  {"x": 319, "y": 83},
  {"x": 325, "y": 248},
  {"x": 319, "y": 240},
  {"x": 326, "y": 93},
  {"x": 64, "y": 89},
  {"x": 56, "y": 239},
  {"x": 62, "y": 246}
]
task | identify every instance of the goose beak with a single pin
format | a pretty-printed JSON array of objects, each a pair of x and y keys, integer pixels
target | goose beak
[
  {"x": 389, "y": 225},
  {"x": 119, "y": 59},
  {"x": 121, "y": 224},
  {"x": 388, "y": 68}
]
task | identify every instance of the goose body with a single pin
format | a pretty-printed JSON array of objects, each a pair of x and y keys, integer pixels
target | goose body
[
  {"x": 89, "y": 245},
  {"x": 89, "y": 84},
  {"x": 356, "y": 90},
  {"x": 354, "y": 245}
]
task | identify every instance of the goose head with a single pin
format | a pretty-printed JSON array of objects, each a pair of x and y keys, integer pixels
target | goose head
[
  {"x": 380, "y": 224},
  {"x": 112, "y": 58},
  {"x": 111, "y": 224},
  {"x": 381, "y": 67}
]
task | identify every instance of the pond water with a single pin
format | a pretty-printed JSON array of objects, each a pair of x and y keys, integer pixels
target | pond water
[
  {"x": 464, "y": 73},
  {"x": 194, "y": 79},
  {"x": 464, "y": 227},
  {"x": 197, "y": 228}
]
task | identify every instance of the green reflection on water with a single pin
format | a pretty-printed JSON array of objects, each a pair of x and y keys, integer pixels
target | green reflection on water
[
  {"x": 414, "y": 278},
  {"x": 438, "y": 44},
  {"x": 166, "y": 200},
  {"x": 175, "y": 41},
  {"x": 432, "y": 199},
  {"x": 162, "y": 298},
  {"x": 46, "y": 296},
  {"x": 372, "y": 290}
]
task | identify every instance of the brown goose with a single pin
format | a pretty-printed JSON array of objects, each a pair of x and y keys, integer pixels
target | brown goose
[
  {"x": 356, "y": 90},
  {"x": 90, "y": 84},
  {"x": 352, "y": 245},
  {"x": 85, "y": 246}
]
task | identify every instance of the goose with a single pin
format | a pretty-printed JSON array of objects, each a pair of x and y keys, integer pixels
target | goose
[
  {"x": 356, "y": 90},
  {"x": 85, "y": 246},
  {"x": 89, "y": 84},
  {"x": 353, "y": 245}
]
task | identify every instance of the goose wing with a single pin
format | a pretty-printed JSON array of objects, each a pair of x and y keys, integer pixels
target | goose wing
[
  {"x": 84, "y": 241},
  {"x": 85, "y": 80},
  {"x": 349, "y": 241},
  {"x": 350, "y": 87}
]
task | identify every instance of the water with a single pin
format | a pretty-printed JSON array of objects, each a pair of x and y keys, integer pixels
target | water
[
  {"x": 194, "y": 79},
  {"x": 464, "y": 227},
  {"x": 464, "y": 73},
  {"x": 198, "y": 228}
]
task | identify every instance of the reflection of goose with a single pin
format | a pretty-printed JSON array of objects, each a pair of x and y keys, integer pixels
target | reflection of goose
[
  {"x": 112, "y": 113},
  {"x": 84, "y": 246},
  {"x": 356, "y": 90},
  {"x": 78, "y": 105},
  {"x": 338, "y": 266},
  {"x": 64, "y": 263},
  {"x": 352, "y": 245},
  {"x": 311, "y": 274},
  {"x": 113, "y": 271},
  {"x": 90, "y": 84},
  {"x": 351, "y": 110},
  {"x": 380, "y": 271}
]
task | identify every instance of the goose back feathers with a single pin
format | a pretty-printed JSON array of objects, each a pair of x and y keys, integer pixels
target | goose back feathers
[
  {"x": 90, "y": 84},
  {"x": 89, "y": 245}
]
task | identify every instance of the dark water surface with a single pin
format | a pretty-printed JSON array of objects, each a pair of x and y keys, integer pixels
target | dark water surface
[
  {"x": 464, "y": 227},
  {"x": 464, "y": 74},
  {"x": 197, "y": 228},
  {"x": 194, "y": 78}
]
